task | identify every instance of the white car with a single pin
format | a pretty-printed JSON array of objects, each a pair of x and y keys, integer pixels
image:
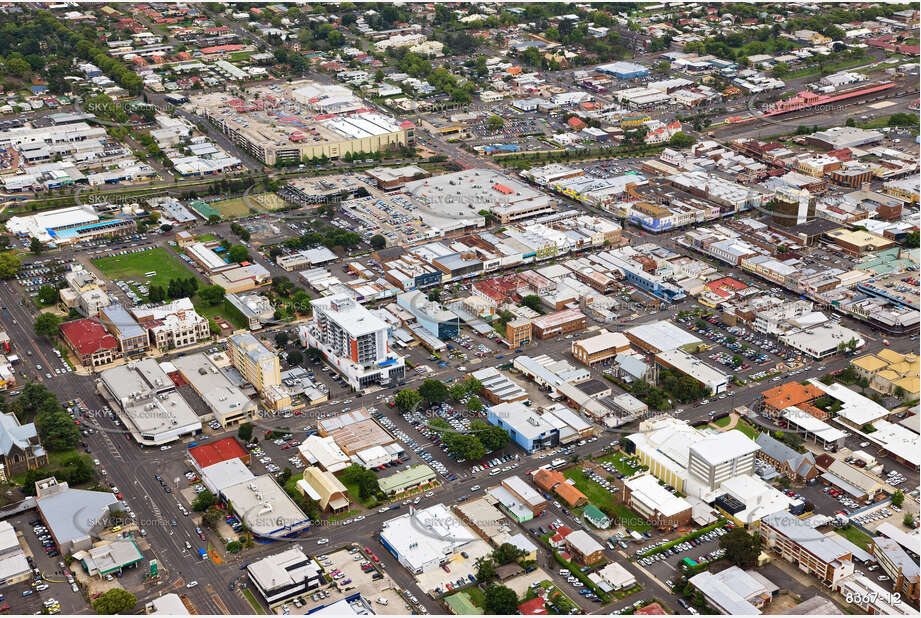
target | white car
[
  {"x": 322, "y": 541},
  {"x": 191, "y": 584}
]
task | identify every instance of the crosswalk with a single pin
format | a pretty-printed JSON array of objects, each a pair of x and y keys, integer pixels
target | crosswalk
[{"x": 110, "y": 445}]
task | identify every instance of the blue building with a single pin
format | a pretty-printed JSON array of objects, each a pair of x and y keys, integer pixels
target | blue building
[
  {"x": 434, "y": 318},
  {"x": 525, "y": 426},
  {"x": 623, "y": 70}
]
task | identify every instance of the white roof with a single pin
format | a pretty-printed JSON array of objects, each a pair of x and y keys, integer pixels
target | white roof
[
  {"x": 224, "y": 474},
  {"x": 663, "y": 335},
  {"x": 646, "y": 489},
  {"x": 729, "y": 590},
  {"x": 283, "y": 569},
  {"x": 759, "y": 498},
  {"x": 583, "y": 542},
  {"x": 856, "y": 408},
  {"x": 419, "y": 537},
  {"x": 809, "y": 423},
  {"x": 724, "y": 447},
  {"x": 604, "y": 340}
]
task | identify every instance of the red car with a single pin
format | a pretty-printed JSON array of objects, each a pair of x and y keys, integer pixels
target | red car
[
  {"x": 4, "y": 608},
  {"x": 445, "y": 567},
  {"x": 367, "y": 550},
  {"x": 119, "y": 496}
]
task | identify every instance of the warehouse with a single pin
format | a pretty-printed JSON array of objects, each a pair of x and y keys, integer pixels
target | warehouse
[
  {"x": 660, "y": 336},
  {"x": 421, "y": 540},
  {"x": 623, "y": 70},
  {"x": 702, "y": 373}
]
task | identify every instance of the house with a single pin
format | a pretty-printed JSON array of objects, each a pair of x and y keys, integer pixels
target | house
[
  {"x": 584, "y": 548},
  {"x": 20, "y": 448},
  {"x": 596, "y": 516},
  {"x": 552, "y": 480},
  {"x": 800, "y": 467}
]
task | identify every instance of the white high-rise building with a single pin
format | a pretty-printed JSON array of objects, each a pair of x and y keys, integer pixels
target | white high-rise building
[{"x": 353, "y": 340}]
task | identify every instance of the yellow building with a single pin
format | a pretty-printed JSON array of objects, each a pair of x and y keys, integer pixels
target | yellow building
[
  {"x": 888, "y": 371},
  {"x": 325, "y": 488},
  {"x": 257, "y": 364}
]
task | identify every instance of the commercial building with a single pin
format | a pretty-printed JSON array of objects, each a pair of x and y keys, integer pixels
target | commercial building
[
  {"x": 438, "y": 321},
  {"x": 289, "y": 125},
  {"x": 74, "y": 517},
  {"x": 325, "y": 488},
  {"x": 623, "y": 70},
  {"x": 284, "y": 575},
  {"x": 660, "y": 336},
  {"x": 132, "y": 339},
  {"x": 109, "y": 558},
  {"x": 616, "y": 576},
  {"x": 169, "y": 604},
  {"x": 814, "y": 553},
  {"x": 901, "y": 568},
  {"x": 558, "y": 323},
  {"x": 173, "y": 325},
  {"x": 796, "y": 466},
  {"x": 705, "y": 375},
  {"x": 872, "y": 598},
  {"x": 228, "y": 404},
  {"x": 824, "y": 340},
  {"x": 265, "y": 508},
  {"x": 526, "y": 494},
  {"x": 836, "y": 138},
  {"x": 720, "y": 457},
  {"x": 14, "y": 567},
  {"x": 733, "y": 591},
  {"x": 890, "y": 372},
  {"x": 211, "y": 453},
  {"x": 525, "y": 426},
  {"x": 259, "y": 366},
  {"x": 254, "y": 308},
  {"x": 354, "y": 341},
  {"x": 497, "y": 387},
  {"x": 148, "y": 403},
  {"x": 422, "y": 540},
  {"x": 69, "y": 225},
  {"x": 323, "y": 452},
  {"x": 584, "y": 548},
  {"x": 406, "y": 480},
  {"x": 653, "y": 502},
  {"x": 746, "y": 499},
  {"x": 599, "y": 349},
  {"x": 467, "y": 192},
  {"x": 812, "y": 428}
]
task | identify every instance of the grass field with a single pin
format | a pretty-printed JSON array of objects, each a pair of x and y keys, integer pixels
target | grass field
[
  {"x": 240, "y": 207},
  {"x": 621, "y": 462},
  {"x": 855, "y": 536},
  {"x": 600, "y": 497},
  {"x": 131, "y": 267}
]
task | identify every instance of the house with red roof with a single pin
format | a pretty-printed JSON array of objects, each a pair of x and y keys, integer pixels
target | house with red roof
[
  {"x": 534, "y": 607},
  {"x": 90, "y": 342},
  {"x": 653, "y": 609}
]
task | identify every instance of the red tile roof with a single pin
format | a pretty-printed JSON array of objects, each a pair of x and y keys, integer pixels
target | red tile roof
[
  {"x": 534, "y": 607},
  {"x": 88, "y": 336},
  {"x": 216, "y": 452},
  {"x": 653, "y": 609}
]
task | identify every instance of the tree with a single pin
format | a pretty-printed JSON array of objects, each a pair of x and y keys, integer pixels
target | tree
[
  {"x": 377, "y": 242},
  {"x": 494, "y": 123},
  {"x": 407, "y": 399},
  {"x": 474, "y": 404},
  {"x": 433, "y": 391},
  {"x": 681, "y": 140},
  {"x": 281, "y": 339},
  {"x": 56, "y": 429},
  {"x": 742, "y": 549},
  {"x": 492, "y": 437},
  {"x": 295, "y": 357},
  {"x": 36, "y": 246},
  {"x": 212, "y": 294},
  {"x": 473, "y": 385},
  {"x": 156, "y": 293},
  {"x": 898, "y": 498},
  {"x": 531, "y": 301},
  {"x": 238, "y": 253},
  {"x": 245, "y": 432},
  {"x": 364, "y": 479},
  {"x": 204, "y": 501},
  {"x": 234, "y": 547},
  {"x": 9, "y": 265},
  {"x": 210, "y": 517},
  {"x": 507, "y": 553},
  {"x": 780, "y": 69},
  {"x": 114, "y": 601},
  {"x": 485, "y": 568},
  {"x": 48, "y": 295},
  {"x": 500, "y": 601},
  {"x": 909, "y": 520},
  {"x": 464, "y": 446}
]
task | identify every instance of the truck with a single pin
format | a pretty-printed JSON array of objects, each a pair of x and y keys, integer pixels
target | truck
[
  {"x": 202, "y": 554},
  {"x": 636, "y": 536}
]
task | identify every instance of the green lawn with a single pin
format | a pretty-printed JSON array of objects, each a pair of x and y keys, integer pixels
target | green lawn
[
  {"x": 257, "y": 608},
  {"x": 722, "y": 422},
  {"x": 855, "y": 536},
  {"x": 601, "y": 498},
  {"x": 352, "y": 488},
  {"x": 133, "y": 266},
  {"x": 206, "y": 237},
  {"x": 555, "y": 596},
  {"x": 56, "y": 461},
  {"x": 476, "y": 596}
]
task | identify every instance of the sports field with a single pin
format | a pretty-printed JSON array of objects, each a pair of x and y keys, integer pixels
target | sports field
[
  {"x": 240, "y": 207},
  {"x": 133, "y": 266}
]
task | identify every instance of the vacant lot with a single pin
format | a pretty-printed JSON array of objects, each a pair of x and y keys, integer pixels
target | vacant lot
[
  {"x": 133, "y": 266},
  {"x": 240, "y": 207}
]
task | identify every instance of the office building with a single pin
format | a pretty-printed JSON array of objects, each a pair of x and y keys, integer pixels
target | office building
[
  {"x": 895, "y": 562},
  {"x": 714, "y": 380},
  {"x": 438, "y": 321},
  {"x": 721, "y": 457},
  {"x": 733, "y": 591},
  {"x": 147, "y": 402},
  {"x": 173, "y": 325},
  {"x": 653, "y": 502},
  {"x": 599, "y": 349},
  {"x": 14, "y": 567},
  {"x": 74, "y": 517},
  {"x": 354, "y": 341},
  {"x": 813, "y": 552},
  {"x": 558, "y": 323},
  {"x": 265, "y": 508},
  {"x": 525, "y": 426},
  {"x": 228, "y": 404},
  {"x": 423, "y": 539},
  {"x": 284, "y": 575},
  {"x": 132, "y": 339},
  {"x": 259, "y": 366}
]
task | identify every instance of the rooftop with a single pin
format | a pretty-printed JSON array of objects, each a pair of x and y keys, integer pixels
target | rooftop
[{"x": 266, "y": 508}]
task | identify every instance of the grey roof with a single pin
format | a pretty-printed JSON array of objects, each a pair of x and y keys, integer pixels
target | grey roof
[
  {"x": 801, "y": 463},
  {"x": 816, "y": 605},
  {"x": 807, "y": 537},
  {"x": 117, "y": 317},
  {"x": 13, "y": 434},
  {"x": 729, "y": 590},
  {"x": 73, "y": 514}
]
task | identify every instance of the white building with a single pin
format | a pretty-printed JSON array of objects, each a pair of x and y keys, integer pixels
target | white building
[
  {"x": 354, "y": 341},
  {"x": 284, "y": 575},
  {"x": 173, "y": 325},
  {"x": 423, "y": 540}
]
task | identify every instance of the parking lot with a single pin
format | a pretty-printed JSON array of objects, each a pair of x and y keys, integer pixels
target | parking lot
[{"x": 663, "y": 565}]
